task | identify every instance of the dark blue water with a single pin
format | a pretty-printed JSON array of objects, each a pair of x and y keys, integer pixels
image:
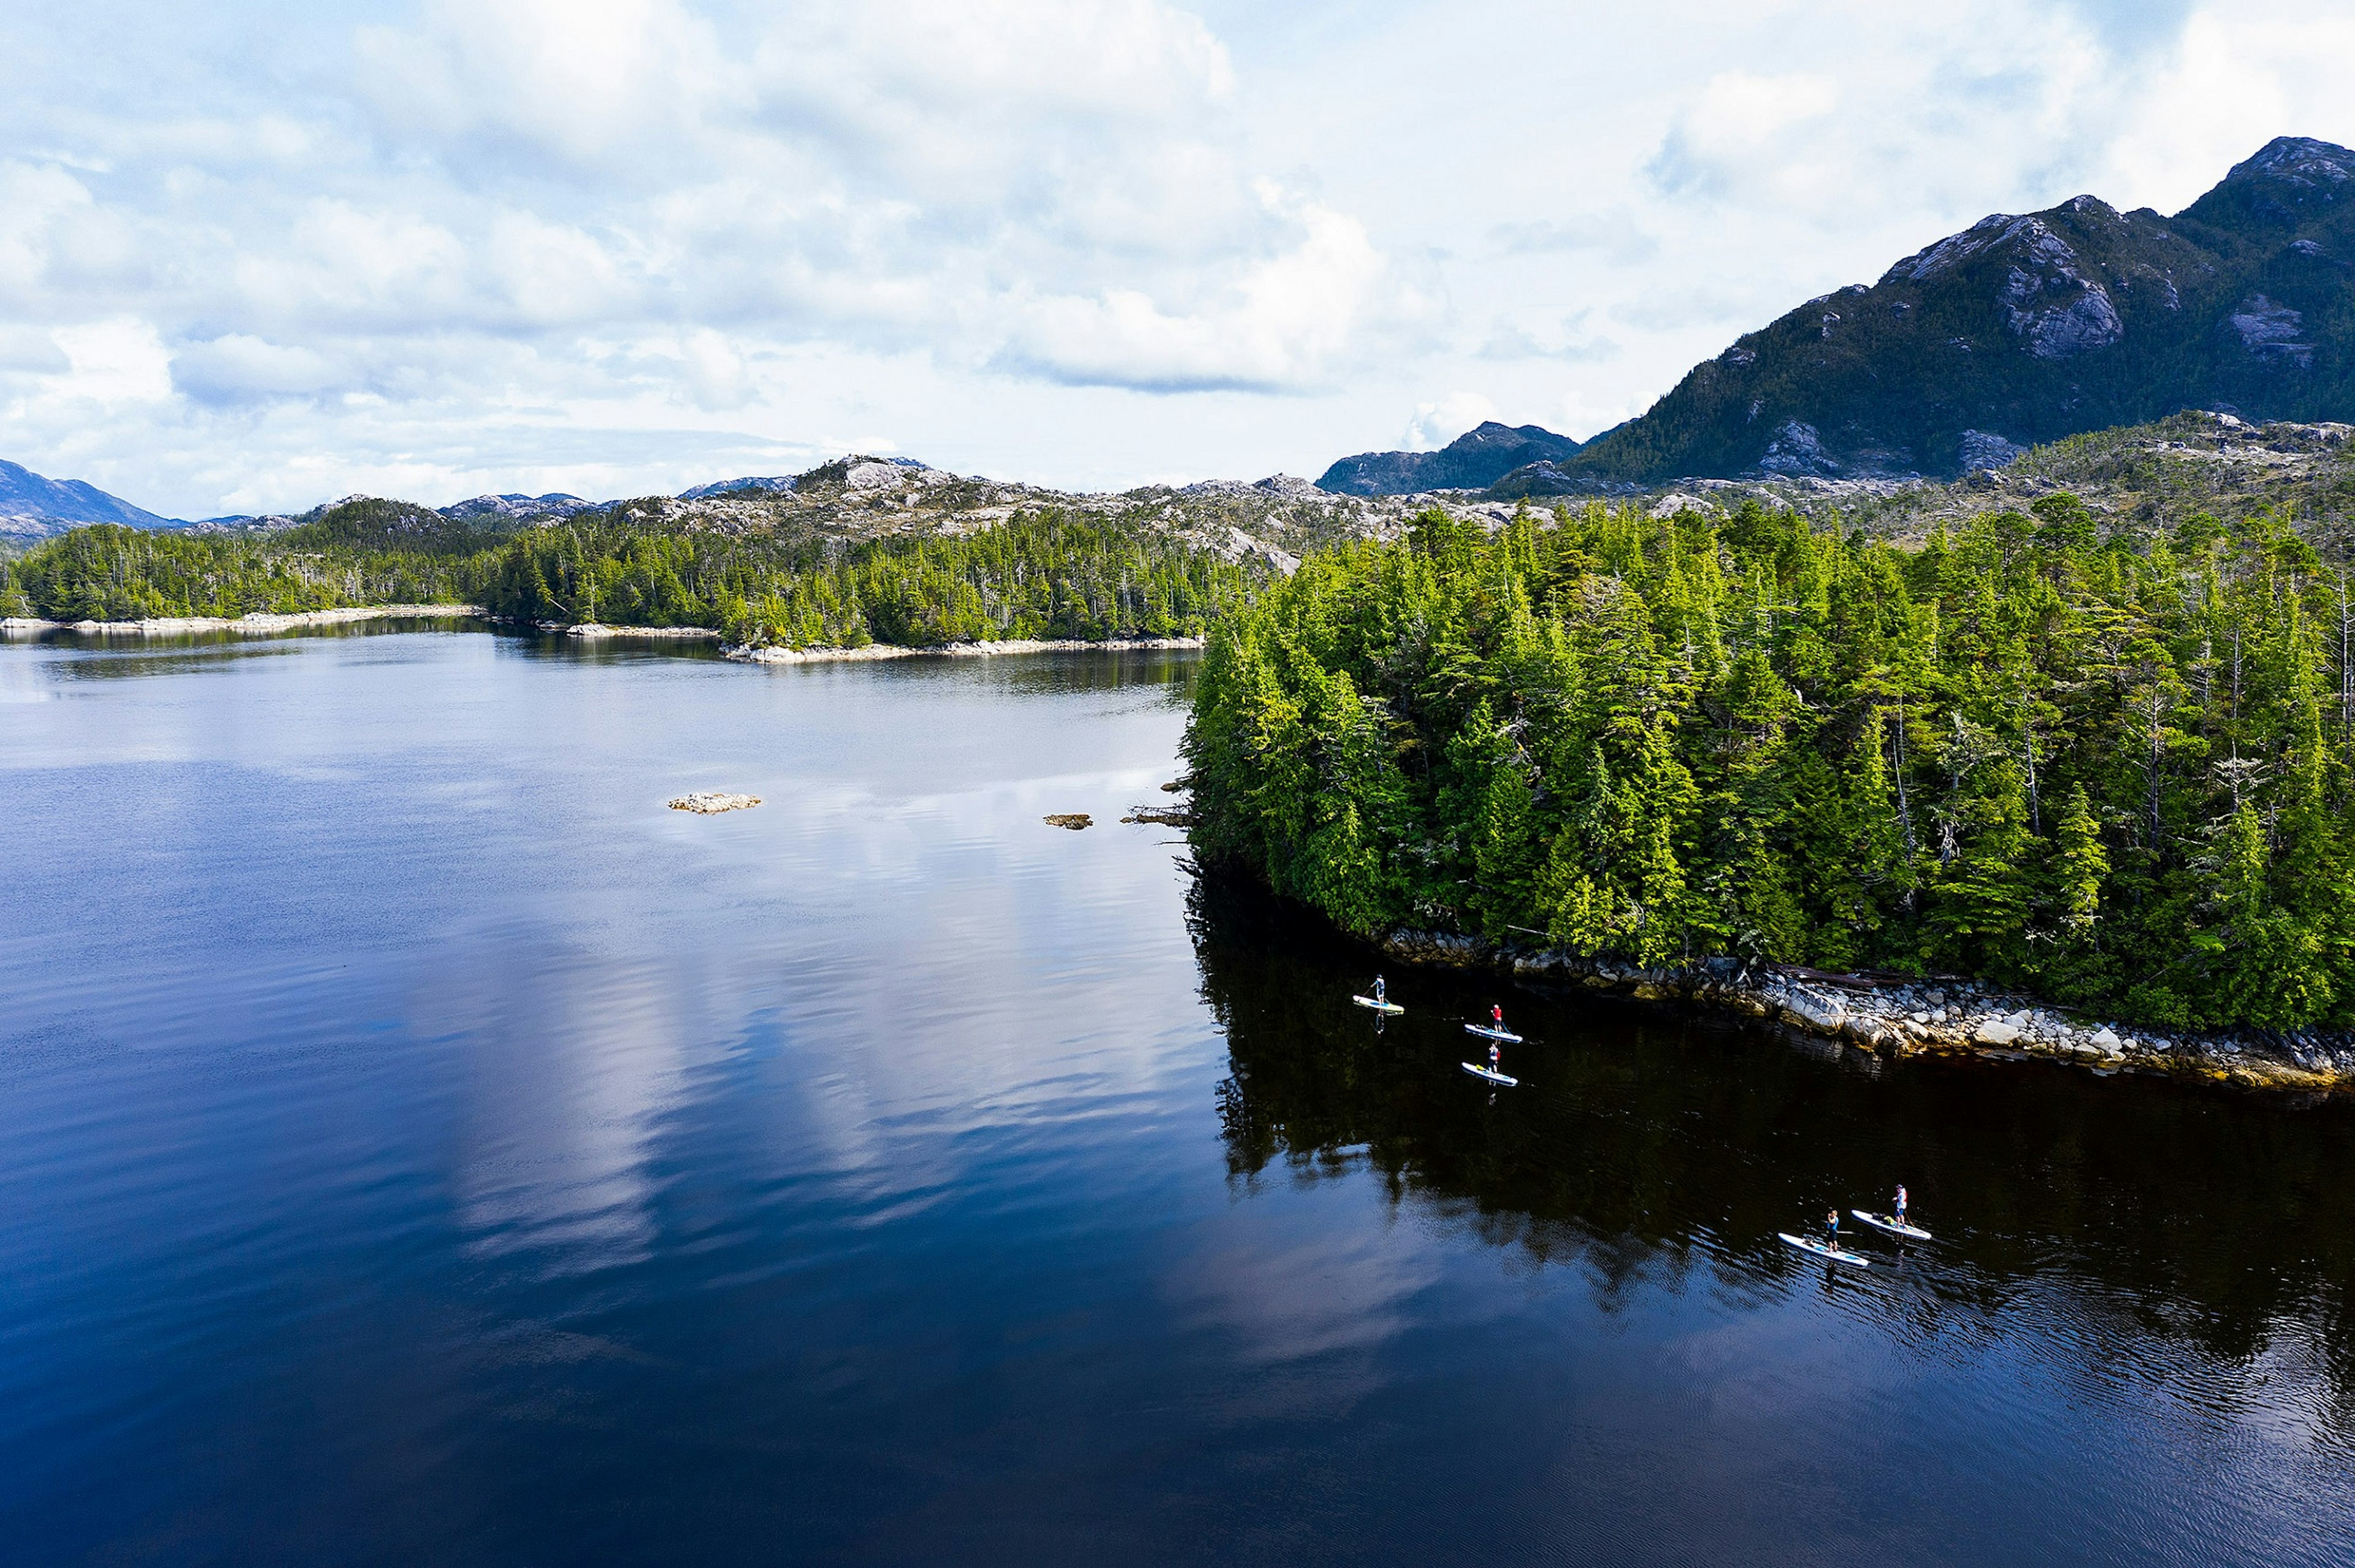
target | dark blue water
[{"x": 419, "y": 1145}]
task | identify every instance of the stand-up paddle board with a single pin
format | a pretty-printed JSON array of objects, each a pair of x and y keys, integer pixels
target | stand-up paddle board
[
  {"x": 1484, "y": 1033},
  {"x": 1822, "y": 1250},
  {"x": 1893, "y": 1224},
  {"x": 1378, "y": 1006},
  {"x": 1478, "y": 1071}
]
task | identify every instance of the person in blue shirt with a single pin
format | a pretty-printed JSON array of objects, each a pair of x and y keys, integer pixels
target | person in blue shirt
[
  {"x": 1900, "y": 1203},
  {"x": 1381, "y": 995},
  {"x": 1831, "y": 1228}
]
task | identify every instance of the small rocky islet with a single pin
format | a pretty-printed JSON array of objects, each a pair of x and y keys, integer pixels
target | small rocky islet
[{"x": 711, "y": 802}]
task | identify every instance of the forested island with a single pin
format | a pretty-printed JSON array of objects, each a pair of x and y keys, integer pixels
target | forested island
[
  {"x": 1047, "y": 575},
  {"x": 2103, "y": 763}
]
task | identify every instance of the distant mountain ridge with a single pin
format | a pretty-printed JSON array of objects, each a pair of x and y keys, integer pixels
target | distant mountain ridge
[
  {"x": 518, "y": 508},
  {"x": 1472, "y": 460},
  {"x": 29, "y": 501},
  {"x": 33, "y": 507},
  {"x": 2024, "y": 329},
  {"x": 724, "y": 486}
]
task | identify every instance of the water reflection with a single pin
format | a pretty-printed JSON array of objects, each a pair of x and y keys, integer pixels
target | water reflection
[
  {"x": 99, "y": 656},
  {"x": 1646, "y": 1147},
  {"x": 571, "y": 1067}
]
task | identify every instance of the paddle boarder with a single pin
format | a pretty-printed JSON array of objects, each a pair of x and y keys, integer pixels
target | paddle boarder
[
  {"x": 1495, "y": 1059},
  {"x": 1381, "y": 996},
  {"x": 1900, "y": 1203},
  {"x": 1497, "y": 1017},
  {"x": 1831, "y": 1229}
]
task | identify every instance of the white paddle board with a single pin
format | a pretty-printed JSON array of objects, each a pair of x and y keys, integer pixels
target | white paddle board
[
  {"x": 1378, "y": 1006},
  {"x": 1890, "y": 1223},
  {"x": 1478, "y": 1071},
  {"x": 1822, "y": 1251},
  {"x": 1486, "y": 1033}
]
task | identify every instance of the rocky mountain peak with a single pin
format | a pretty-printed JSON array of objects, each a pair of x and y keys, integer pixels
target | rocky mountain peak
[
  {"x": 515, "y": 507},
  {"x": 2297, "y": 160},
  {"x": 859, "y": 471},
  {"x": 1476, "y": 459},
  {"x": 750, "y": 482},
  {"x": 1490, "y": 433},
  {"x": 2026, "y": 327},
  {"x": 2289, "y": 182}
]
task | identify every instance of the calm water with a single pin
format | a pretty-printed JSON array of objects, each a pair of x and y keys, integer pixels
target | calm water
[{"x": 417, "y": 1144}]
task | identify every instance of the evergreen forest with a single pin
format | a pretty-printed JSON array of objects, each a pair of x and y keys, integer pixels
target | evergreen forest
[
  {"x": 2115, "y": 770},
  {"x": 1046, "y": 575},
  {"x": 111, "y": 573},
  {"x": 1051, "y": 575}
]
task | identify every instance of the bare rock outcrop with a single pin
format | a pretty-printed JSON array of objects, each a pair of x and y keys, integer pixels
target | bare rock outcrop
[
  {"x": 1896, "y": 1017},
  {"x": 711, "y": 802}
]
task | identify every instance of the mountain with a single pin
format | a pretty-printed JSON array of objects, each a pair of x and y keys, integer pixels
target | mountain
[
  {"x": 34, "y": 508},
  {"x": 1477, "y": 458},
  {"x": 370, "y": 522},
  {"x": 518, "y": 509},
  {"x": 722, "y": 486},
  {"x": 2025, "y": 330}
]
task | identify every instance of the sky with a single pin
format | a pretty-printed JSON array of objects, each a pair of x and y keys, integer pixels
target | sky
[{"x": 257, "y": 254}]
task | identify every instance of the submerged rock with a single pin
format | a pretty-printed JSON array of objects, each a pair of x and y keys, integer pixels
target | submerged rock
[{"x": 1074, "y": 820}]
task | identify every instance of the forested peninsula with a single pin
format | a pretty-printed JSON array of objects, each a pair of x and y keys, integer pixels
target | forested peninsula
[
  {"x": 1047, "y": 575},
  {"x": 2098, "y": 761}
]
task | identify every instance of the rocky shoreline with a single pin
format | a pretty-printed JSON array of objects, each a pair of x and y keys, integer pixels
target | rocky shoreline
[
  {"x": 592, "y": 631},
  {"x": 255, "y": 623},
  {"x": 1900, "y": 1018},
  {"x": 949, "y": 650},
  {"x": 597, "y": 631}
]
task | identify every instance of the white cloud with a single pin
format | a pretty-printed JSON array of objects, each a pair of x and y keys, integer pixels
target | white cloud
[
  {"x": 2235, "y": 80},
  {"x": 1569, "y": 339},
  {"x": 1733, "y": 124},
  {"x": 716, "y": 373},
  {"x": 1283, "y": 323},
  {"x": 111, "y": 364},
  {"x": 1436, "y": 423},
  {"x": 31, "y": 349},
  {"x": 615, "y": 245},
  {"x": 589, "y": 86},
  {"x": 1620, "y": 235},
  {"x": 240, "y": 368}
]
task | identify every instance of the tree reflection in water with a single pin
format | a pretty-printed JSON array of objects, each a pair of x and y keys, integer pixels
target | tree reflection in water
[{"x": 1655, "y": 1144}]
